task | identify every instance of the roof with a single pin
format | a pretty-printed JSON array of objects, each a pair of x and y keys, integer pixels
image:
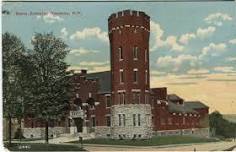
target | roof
[
  {"x": 173, "y": 107},
  {"x": 195, "y": 104},
  {"x": 173, "y": 97},
  {"x": 104, "y": 79}
]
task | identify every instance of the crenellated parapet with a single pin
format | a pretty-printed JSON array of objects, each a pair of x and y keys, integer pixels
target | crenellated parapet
[{"x": 129, "y": 19}]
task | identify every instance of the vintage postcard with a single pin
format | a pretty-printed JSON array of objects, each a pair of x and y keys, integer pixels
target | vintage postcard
[{"x": 119, "y": 75}]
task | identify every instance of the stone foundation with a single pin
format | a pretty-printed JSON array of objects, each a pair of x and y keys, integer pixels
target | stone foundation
[
  {"x": 102, "y": 132},
  {"x": 40, "y": 132},
  {"x": 197, "y": 132},
  {"x": 129, "y": 131}
]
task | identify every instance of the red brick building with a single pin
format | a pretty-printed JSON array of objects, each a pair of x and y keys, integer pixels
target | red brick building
[{"x": 120, "y": 103}]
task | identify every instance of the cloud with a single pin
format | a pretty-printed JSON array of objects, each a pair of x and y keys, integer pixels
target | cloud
[
  {"x": 233, "y": 41},
  {"x": 93, "y": 63},
  {"x": 176, "y": 62},
  {"x": 82, "y": 51},
  {"x": 157, "y": 73},
  {"x": 192, "y": 77},
  {"x": 91, "y": 66},
  {"x": 169, "y": 42},
  {"x": 222, "y": 80},
  {"x": 90, "y": 32},
  {"x": 198, "y": 71},
  {"x": 217, "y": 18},
  {"x": 50, "y": 18},
  {"x": 225, "y": 69},
  {"x": 185, "y": 38},
  {"x": 231, "y": 59},
  {"x": 182, "y": 83},
  {"x": 64, "y": 33},
  {"x": 205, "y": 32},
  {"x": 101, "y": 68},
  {"x": 213, "y": 49}
]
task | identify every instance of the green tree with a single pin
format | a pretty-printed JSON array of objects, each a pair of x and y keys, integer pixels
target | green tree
[
  {"x": 221, "y": 126},
  {"x": 13, "y": 52},
  {"x": 51, "y": 85}
]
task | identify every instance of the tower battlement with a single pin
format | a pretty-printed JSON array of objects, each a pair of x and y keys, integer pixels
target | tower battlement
[{"x": 129, "y": 18}]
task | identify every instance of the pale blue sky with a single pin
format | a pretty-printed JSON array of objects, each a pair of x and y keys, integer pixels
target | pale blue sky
[{"x": 174, "y": 19}]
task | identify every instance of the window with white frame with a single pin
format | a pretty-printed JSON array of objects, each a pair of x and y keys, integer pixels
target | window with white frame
[
  {"x": 119, "y": 115},
  {"x": 135, "y": 71},
  {"x": 108, "y": 101},
  {"x": 120, "y": 53},
  {"x": 139, "y": 119},
  {"x": 136, "y": 97},
  {"x": 121, "y": 76},
  {"x": 124, "y": 123},
  {"x": 90, "y": 94},
  {"x": 134, "y": 119},
  {"x": 108, "y": 118},
  {"x": 121, "y": 97},
  {"x": 146, "y": 76},
  {"x": 135, "y": 53}
]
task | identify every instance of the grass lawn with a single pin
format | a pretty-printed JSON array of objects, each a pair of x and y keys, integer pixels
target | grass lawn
[
  {"x": 155, "y": 141},
  {"x": 42, "y": 147}
]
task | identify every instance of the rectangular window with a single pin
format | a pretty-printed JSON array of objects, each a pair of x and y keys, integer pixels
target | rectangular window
[
  {"x": 136, "y": 97},
  {"x": 108, "y": 121},
  {"x": 146, "y": 77},
  {"x": 139, "y": 119},
  {"x": 93, "y": 122},
  {"x": 121, "y": 76},
  {"x": 135, "y": 75},
  {"x": 183, "y": 120},
  {"x": 122, "y": 98},
  {"x": 135, "y": 53},
  {"x": 146, "y": 55},
  {"x": 120, "y": 53},
  {"x": 124, "y": 120},
  {"x": 119, "y": 119},
  {"x": 134, "y": 119},
  {"x": 108, "y": 101}
]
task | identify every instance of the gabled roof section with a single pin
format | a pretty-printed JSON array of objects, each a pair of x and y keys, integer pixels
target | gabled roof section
[
  {"x": 104, "y": 79},
  {"x": 195, "y": 105}
]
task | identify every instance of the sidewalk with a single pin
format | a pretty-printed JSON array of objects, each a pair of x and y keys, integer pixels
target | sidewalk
[
  {"x": 210, "y": 146},
  {"x": 215, "y": 146}
]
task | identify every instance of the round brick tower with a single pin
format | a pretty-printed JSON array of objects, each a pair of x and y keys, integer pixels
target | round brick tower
[
  {"x": 129, "y": 42},
  {"x": 129, "y": 48}
]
